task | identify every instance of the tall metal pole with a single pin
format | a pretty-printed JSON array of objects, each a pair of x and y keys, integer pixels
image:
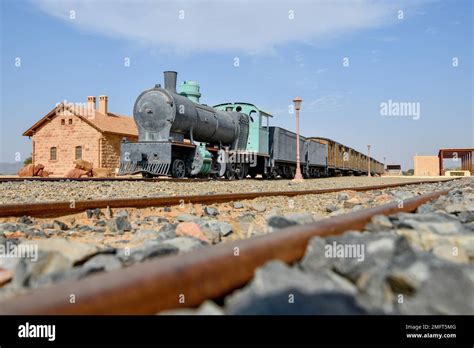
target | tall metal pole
[
  {"x": 384, "y": 164},
  {"x": 297, "y": 101},
  {"x": 368, "y": 161}
]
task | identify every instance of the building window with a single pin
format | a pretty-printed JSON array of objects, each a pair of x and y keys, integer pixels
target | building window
[
  {"x": 78, "y": 152},
  {"x": 53, "y": 154},
  {"x": 70, "y": 121},
  {"x": 63, "y": 122}
]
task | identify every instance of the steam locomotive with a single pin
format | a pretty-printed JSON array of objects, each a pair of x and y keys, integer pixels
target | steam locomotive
[{"x": 180, "y": 137}]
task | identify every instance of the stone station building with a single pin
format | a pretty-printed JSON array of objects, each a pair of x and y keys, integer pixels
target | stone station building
[{"x": 70, "y": 132}]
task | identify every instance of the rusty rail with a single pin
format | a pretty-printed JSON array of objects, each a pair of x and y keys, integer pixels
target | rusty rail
[
  {"x": 207, "y": 273},
  {"x": 73, "y": 207},
  {"x": 57, "y": 179}
]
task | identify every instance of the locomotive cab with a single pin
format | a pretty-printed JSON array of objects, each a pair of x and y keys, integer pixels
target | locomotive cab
[{"x": 258, "y": 138}]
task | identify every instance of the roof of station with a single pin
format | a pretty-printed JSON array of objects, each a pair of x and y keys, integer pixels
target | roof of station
[{"x": 449, "y": 152}]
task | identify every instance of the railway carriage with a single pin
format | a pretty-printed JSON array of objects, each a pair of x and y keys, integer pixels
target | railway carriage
[{"x": 343, "y": 160}]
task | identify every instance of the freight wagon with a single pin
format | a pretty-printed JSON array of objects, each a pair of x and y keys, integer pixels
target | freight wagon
[{"x": 343, "y": 160}]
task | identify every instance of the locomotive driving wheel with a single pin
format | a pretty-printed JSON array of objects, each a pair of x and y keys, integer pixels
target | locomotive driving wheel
[
  {"x": 178, "y": 169},
  {"x": 241, "y": 171},
  {"x": 230, "y": 171},
  {"x": 216, "y": 168}
]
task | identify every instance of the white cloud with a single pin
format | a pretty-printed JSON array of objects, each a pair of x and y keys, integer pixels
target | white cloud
[
  {"x": 330, "y": 102},
  {"x": 386, "y": 39},
  {"x": 299, "y": 59},
  {"x": 239, "y": 25},
  {"x": 431, "y": 30}
]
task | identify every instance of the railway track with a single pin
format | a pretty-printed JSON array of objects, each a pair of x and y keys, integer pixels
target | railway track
[
  {"x": 156, "y": 179},
  {"x": 210, "y": 273},
  {"x": 46, "y": 209},
  {"x": 162, "y": 179}
]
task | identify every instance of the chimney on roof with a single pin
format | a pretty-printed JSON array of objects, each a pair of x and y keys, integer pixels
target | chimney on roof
[
  {"x": 91, "y": 103},
  {"x": 103, "y": 104}
]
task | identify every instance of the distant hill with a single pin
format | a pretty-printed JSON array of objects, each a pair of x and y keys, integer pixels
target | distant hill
[{"x": 10, "y": 168}]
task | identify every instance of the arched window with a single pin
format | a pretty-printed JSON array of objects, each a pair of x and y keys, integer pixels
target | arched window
[
  {"x": 78, "y": 152},
  {"x": 53, "y": 153}
]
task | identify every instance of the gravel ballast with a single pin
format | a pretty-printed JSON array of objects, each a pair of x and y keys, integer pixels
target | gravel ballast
[
  {"x": 100, "y": 240},
  {"x": 44, "y": 191}
]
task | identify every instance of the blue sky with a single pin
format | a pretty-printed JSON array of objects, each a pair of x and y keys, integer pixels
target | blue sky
[{"x": 72, "y": 49}]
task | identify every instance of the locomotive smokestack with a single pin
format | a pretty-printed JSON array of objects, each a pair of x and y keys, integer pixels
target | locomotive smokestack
[{"x": 170, "y": 81}]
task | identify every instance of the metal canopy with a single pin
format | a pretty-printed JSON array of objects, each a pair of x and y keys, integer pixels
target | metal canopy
[{"x": 465, "y": 154}]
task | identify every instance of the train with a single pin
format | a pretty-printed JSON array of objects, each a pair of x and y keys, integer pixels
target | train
[{"x": 182, "y": 138}]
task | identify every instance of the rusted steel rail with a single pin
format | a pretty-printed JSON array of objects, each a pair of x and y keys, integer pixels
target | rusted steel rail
[
  {"x": 206, "y": 273},
  {"x": 74, "y": 207},
  {"x": 54, "y": 179}
]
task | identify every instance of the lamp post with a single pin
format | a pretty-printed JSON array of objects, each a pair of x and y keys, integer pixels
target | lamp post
[
  {"x": 368, "y": 161},
  {"x": 384, "y": 164},
  {"x": 297, "y": 101}
]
